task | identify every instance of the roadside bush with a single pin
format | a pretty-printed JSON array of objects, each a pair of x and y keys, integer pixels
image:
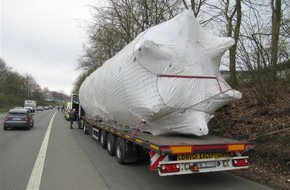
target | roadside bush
[
  {"x": 7, "y": 103},
  {"x": 3, "y": 103}
]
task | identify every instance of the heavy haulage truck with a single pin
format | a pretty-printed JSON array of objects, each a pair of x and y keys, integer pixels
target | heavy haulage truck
[{"x": 156, "y": 96}]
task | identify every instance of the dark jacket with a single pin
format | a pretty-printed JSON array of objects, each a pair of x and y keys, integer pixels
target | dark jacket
[{"x": 72, "y": 115}]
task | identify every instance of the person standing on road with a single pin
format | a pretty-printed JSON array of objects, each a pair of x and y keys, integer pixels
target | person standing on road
[{"x": 72, "y": 117}]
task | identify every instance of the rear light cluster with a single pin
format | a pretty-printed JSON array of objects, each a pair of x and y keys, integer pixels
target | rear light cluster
[
  {"x": 168, "y": 168},
  {"x": 26, "y": 119},
  {"x": 240, "y": 162},
  {"x": 6, "y": 118}
]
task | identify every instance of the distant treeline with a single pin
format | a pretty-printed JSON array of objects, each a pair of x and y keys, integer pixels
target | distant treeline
[{"x": 15, "y": 88}]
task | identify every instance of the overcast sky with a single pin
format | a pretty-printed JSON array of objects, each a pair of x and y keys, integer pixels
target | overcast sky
[{"x": 44, "y": 38}]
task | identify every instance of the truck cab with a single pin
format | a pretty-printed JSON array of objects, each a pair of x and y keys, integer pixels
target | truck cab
[
  {"x": 73, "y": 104},
  {"x": 30, "y": 104}
]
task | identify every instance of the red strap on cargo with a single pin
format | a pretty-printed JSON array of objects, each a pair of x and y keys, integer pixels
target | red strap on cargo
[
  {"x": 187, "y": 76},
  {"x": 137, "y": 127},
  {"x": 191, "y": 77}
]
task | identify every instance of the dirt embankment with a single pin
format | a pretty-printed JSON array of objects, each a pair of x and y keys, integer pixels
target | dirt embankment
[{"x": 268, "y": 128}]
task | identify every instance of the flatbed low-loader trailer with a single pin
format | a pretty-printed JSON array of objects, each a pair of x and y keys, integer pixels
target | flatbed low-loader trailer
[{"x": 169, "y": 155}]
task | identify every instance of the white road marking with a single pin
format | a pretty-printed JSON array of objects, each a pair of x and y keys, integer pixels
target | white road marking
[{"x": 35, "y": 178}]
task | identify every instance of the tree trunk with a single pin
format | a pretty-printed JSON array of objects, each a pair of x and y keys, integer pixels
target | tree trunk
[
  {"x": 236, "y": 30},
  {"x": 276, "y": 21}
]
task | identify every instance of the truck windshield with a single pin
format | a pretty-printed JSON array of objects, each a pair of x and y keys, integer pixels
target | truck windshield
[{"x": 75, "y": 98}]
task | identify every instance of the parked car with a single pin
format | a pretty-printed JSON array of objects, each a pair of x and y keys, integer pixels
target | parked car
[
  {"x": 19, "y": 118},
  {"x": 45, "y": 108},
  {"x": 39, "y": 108}
]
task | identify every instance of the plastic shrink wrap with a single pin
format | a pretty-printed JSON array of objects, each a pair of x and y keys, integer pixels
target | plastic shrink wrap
[{"x": 168, "y": 77}]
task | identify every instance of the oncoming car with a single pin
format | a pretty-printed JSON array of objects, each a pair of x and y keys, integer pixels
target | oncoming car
[
  {"x": 39, "y": 108},
  {"x": 19, "y": 118}
]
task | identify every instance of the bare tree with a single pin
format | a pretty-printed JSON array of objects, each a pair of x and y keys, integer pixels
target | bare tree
[
  {"x": 78, "y": 83},
  {"x": 228, "y": 14},
  {"x": 256, "y": 48},
  {"x": 3, "y": 75},
  {"x": 14, "y": 88},
  {"x": 118, "y": 24},
  {"x": 195, "y": 5},
  {"x": 276, "y": 22},
  {"x": 234, "y": 31}
]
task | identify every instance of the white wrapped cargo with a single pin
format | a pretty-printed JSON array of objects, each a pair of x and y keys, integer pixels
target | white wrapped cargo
[{"x": 168, "y": 77}]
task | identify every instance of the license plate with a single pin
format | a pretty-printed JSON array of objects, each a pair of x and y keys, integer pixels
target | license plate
[
  {"x": 205, "y": 155},
  {"x": 16, "y": 119},
  {"x": 206, "y": 164}
]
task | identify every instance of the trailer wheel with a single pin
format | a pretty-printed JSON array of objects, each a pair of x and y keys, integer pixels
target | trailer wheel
[
  {"x": 103, "y": 138},
  {"x": 111, "y": 144},
  {"x": 120, "y": 150}
]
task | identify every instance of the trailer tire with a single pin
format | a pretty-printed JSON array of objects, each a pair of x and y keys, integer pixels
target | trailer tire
[
  {"x": 120, "y": 150},
  {"x": 111, "y": 144},
  {"x": 103, "y": 138}
]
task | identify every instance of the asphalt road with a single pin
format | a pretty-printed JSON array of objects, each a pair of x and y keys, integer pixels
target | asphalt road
[{"x": 51, "y": 156}]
